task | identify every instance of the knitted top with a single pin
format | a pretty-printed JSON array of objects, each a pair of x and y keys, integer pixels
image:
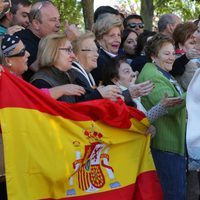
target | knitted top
[{"x": 170, "y": 128}]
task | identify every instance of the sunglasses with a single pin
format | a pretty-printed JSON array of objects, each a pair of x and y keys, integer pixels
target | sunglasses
[
  {"x": 19, "y": 54},
  {"x": 133, "y": 25}
]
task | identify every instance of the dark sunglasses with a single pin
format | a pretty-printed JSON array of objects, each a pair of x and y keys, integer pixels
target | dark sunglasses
[
  {"x": 19, "y": 54},
  {"x": 133, "y": 25}
]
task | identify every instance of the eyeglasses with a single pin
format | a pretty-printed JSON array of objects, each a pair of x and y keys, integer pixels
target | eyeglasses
[
  {"x": 133, "y": 25},
  {"x": 21, "y": 53},
  {"x": 91, "y": 50},
  {"x": 69, "y": 50}
]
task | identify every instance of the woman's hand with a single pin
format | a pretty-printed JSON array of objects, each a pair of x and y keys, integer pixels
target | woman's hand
[
  {"x": 111, "y": 92},
  {"x": 141, "y": 89},
  {"x": 170, "y": 101},
  {"x": 151, "y": 130},
  {"x": 68, "y": 89}
]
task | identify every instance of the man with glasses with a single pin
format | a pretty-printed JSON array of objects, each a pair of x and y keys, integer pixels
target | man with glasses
[
  {"x": 134, "y": 22},
  {"x": 20, "y": 10}
]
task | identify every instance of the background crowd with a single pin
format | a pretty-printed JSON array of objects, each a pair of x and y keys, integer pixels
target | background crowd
[{"x": 118, "y": 58}]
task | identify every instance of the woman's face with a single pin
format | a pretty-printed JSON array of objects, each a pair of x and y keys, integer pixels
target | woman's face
[
  {"x": 189, "y": 44},
  {"x": 111, "y": 40},
  {"x": 126, "y": 75},
  {"x": 130, "y": 43},
  {"x": 64, "y": 57},
  {"x": 165, "y": 57},
  {"x": 88, "y": 54},
  {"x": 17, "y": 63}
]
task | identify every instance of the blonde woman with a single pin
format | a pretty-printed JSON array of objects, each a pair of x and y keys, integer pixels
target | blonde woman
[{"x": 55, "y": 56}]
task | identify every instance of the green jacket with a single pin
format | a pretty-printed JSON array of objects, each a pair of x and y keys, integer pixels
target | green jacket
[{"x": 170, "y": 128}]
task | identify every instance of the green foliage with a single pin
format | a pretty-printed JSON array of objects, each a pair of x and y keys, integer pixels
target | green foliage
[
  {"x": 69, "y": 10},
  {"x": 186, "y": 9}
]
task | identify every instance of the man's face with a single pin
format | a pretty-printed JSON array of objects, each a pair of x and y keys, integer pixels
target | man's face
[
  {"x": 21, "y": 16},
  {"x": 50, "y": 20},
  {"x": 136, "y": 25}
]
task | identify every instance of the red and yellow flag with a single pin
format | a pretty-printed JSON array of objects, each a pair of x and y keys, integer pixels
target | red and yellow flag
[{"x": 91, "y": 150}]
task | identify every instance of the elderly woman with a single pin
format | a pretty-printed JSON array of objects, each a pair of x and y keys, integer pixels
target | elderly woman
[
  {"x": 168, "y": 146},
  {"x": 14, "y": 57},
  {"x": 14, "y": 54},
  {"x": 120, "y": 73},
  {"x": 86, "y": 53},
  {"x": 55, "y": 58},
  {"x": 107, "y": 30}
]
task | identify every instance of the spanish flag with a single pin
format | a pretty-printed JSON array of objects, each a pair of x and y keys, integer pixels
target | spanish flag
[{"x": 91, "y": 150}]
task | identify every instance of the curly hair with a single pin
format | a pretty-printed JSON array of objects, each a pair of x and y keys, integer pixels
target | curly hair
[{"x": 153, "y": 45}]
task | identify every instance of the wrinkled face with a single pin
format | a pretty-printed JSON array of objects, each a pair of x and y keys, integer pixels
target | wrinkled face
[
  {"x": 189, "y": 44},
  {"x": 136, "y": 25},
  {"x": 64, "y": 57},
  {"x": 111, "y": 40},
  {"x": 18, "y": 64},
  {"x": 88, "y": 54},
  {"x": 126, "y": 75},
  {"x": 130, "y": 43},
  {"x": 21, "y": 16},
  {"x": 165, "y": 57},
  {"x": 50, "y": 20}
]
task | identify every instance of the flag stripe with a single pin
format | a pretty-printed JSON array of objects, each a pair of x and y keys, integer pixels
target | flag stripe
[
  {"x": 130, "y": 192},
  {"x": 81, "y": 111}
]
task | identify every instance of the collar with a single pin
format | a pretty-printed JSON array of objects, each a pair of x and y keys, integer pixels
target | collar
[
  {"x": 77, "y": 66},
  {"x": 110, "y": 54}
]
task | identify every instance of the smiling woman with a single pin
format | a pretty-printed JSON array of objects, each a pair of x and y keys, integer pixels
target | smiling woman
[
  {"x": 86, "y": 53},
  {"x": 168, "y": 146},
  {"x": 14, "y": 53}
]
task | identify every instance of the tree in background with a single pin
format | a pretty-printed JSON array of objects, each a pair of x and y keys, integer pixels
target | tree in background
[
  {"x": 80, "y": 12},
  {"x": 70, "y": 10},
  {"x": 151, "y": 9},
  {"x": 88, "y": 13}
]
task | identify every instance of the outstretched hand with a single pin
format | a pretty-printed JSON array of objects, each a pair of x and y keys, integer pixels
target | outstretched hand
[
  {"x": 141, "y": 89},
  {"x": 170, "y": 101}
]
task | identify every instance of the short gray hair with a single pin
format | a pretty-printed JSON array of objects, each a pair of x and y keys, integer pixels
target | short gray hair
[
  {"x": 164, "y": 20},
  {"x": 35, "y": 12},
  {"x": 104, "y": 23}
]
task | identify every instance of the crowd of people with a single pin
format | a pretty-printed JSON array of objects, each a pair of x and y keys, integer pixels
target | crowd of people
[{"x": 118, "y": 58}]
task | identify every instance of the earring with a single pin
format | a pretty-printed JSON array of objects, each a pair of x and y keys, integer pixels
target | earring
[{"x": 9, "y": 64}]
